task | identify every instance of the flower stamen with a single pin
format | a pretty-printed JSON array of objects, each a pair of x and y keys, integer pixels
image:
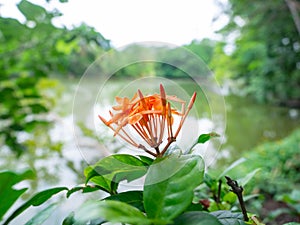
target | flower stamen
[{"x": 149, "y": 116}]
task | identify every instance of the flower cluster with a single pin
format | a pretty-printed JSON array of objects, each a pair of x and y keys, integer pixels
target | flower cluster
[{"x": 149, "y": 116}]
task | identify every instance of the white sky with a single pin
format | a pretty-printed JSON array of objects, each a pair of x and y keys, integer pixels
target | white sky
[{"x": 127, "y": 21}]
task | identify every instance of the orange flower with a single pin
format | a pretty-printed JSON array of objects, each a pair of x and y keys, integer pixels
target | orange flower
[{"x": 149, "y": 116}]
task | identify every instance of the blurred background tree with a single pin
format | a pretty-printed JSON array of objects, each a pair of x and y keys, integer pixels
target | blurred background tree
[
  {"x": 35, "y": 57},
  {"x": 31, "y": 53},
  {"x": 265, "y": 53}
]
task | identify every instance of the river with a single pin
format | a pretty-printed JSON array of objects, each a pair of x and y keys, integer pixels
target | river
[{"x": 241, "y": 122}]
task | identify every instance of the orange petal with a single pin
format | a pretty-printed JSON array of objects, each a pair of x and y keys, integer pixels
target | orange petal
[
  {"x": 103, "y": 120},
  {"x": 192, "y": 101},
  {"x": 174, "y": 98},
  {"x": 119, "y": 100},
  {"x": 163, "y": 95},
  {"x": 135, "y": 118}
]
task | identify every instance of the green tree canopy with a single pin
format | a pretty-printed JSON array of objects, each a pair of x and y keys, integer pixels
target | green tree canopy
[
  {"x": 30, "y": 52},
  {"x": 266, "y": 54}
]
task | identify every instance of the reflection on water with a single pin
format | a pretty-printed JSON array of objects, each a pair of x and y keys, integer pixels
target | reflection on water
[{"x": 250, "y": 124}]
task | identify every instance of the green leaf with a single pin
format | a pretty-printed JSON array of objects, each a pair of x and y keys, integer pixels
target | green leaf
[
  {"x": 170, "y": 183},
  {"x": 42, "y": 216},
  {"x": 194, "y": 207},
  {"x": 229, "y": 218},
  {"x": 233, "y": 165},
  {"x": 243, "y": 181},
  {"x": 133, "y": 198},
  {"x": 85, "y": 189},
  {"x": 31, "y": 11},
  {"x": 38, "y": 108},
  {"x": 8, "y": 194},
  {"x": 146, "y": 160},
  {"x": 196, "y": 218},
  {"x": 36, "y": 200},
  {"x": 103, "y": 183},
  {"x": 113, "y": 211},
  {"x": 230, "y": 197},
  {"x": 201, "y": 140},
  {"x": 69, "y": 220},
  {"x": 111, "y": 170},
  {"x": 205, "y": 137}
]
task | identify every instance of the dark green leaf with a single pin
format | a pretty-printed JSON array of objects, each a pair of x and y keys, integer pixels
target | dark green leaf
[
  {"x": 84, "y": 189},
  {"x": 209, "y": 181},
  {"x": 38, "y": 108},
  {"x": 146, "y": 160},
  {"x": 36, "y": 200},
  {"x": 109, "y": 171},
  {"x": 70, "y": 220},
  {"x": 195, "y": 207},
  {"x": 114, "y": 211},
  {"x": 8, "y": 194},
  {"x": 103, "y": 183},
  {"x": 205, "y": 137},
  {"x": 196, "y": 218},
  {"x": 170, "y": 183},
  {"x": 30, "y": 126},
  {"x": 133, "y": 198},
  {"x": 229, "y": 218},
  {"x": 7, "y": 92},
  {"x": 42, "y": 216}
]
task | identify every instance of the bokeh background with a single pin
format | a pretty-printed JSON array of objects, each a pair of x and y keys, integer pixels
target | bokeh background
[{"x": 250, "y": 51}]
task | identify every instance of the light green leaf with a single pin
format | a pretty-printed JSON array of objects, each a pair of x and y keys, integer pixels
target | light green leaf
[
  {"x": 42, "y": 216},
  {"x": 170, "y": 183},
  {"x": 230, "y": 197},
  {"x": 196, "y": 218},
  {"x": 31, "y": 11},
  {"x": 229, "y": 218},
  {"x": 113, "y": 211},
  {"x": 36, "y": 200},
  {"x": 233, "y": 165},
  {"x": 243, "y": 181}
]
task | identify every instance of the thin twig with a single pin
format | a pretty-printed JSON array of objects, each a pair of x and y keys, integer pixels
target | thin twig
[{"x": 238, "y": 190}]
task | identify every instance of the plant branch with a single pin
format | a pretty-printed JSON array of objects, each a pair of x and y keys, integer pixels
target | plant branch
[
  {"x": 238, "y": 190},
  {"x": 170, "y": 141}
]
